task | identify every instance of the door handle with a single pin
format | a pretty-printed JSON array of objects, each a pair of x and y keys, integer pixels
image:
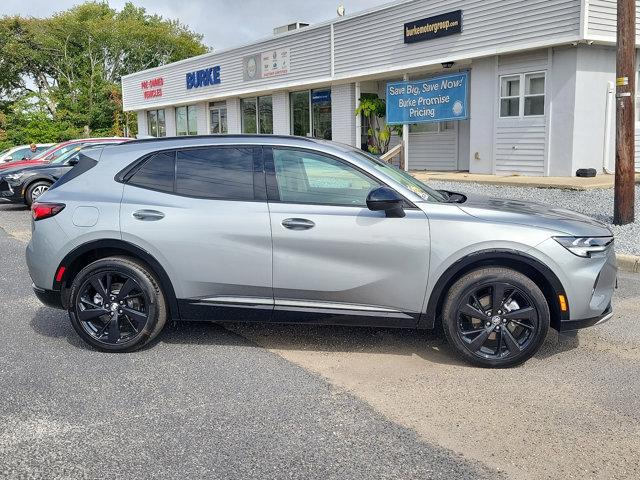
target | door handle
[
  {"x": 148, "y": 215},
  {"x": 297, "y": 224}
]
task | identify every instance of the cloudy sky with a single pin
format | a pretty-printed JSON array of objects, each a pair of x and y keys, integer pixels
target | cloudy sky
[{"x": 224, "y": 23}]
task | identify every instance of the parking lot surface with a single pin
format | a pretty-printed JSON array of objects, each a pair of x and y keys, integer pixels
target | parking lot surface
[{"x": 257, "y": 401}]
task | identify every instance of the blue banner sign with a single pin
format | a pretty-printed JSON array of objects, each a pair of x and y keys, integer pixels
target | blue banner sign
[
  {"x": 203, "y": 78},
  {"x": 321, "y": 96},
  {"x": 431, "y": 100}
]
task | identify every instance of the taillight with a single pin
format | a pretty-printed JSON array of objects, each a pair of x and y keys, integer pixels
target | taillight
[{"x": 40, "y": 211}]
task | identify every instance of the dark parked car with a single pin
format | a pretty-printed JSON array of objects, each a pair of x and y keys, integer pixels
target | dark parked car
[{"x": 27, "y": 183}]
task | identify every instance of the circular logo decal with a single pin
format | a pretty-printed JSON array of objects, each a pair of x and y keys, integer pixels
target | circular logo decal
[
  {"x": 252, "y": 68},
  {"x": 457, "y": 108}
]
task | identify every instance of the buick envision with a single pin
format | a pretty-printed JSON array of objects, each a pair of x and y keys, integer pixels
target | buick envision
[{"x": 287, "y": 229}]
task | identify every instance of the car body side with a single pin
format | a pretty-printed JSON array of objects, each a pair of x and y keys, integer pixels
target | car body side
[{"x": 455, "y": 241}]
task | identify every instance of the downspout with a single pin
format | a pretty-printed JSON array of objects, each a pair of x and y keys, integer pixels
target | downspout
[{"x": 607, "y": 128}]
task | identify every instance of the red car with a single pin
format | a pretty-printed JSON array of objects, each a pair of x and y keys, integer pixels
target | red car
[{"x": 58, "y": 149}]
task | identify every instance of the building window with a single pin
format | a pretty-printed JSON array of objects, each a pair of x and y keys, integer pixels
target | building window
[
  {"x": 432, "y": 127},
  {"x": 218, "y": 118},
  {"x": 257, "y": 115},
  {"x": 311, "y": 113},
  {"x": 186, "y": 120},
  {"x": 534, "y": 94},
  {"x": 518, "y": 102},
  {"x": 156, "y": 126}
]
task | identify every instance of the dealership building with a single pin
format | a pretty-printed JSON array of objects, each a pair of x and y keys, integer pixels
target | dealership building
[{"x": 487, "y": 86}]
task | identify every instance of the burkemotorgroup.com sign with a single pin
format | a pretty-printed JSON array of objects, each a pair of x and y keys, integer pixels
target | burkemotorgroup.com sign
[
  {"x": 433, "y": 27},
  {"x": 431, "y": 100}
]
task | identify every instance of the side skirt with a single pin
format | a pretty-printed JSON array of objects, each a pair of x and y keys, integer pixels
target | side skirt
[{"x": 261, "y": 310}]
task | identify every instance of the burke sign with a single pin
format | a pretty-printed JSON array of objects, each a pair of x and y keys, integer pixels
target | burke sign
[
  {"x": 203, "y": 78},
  {"x": 433, "y": 27},
  {"x": 431, "y": 100}
]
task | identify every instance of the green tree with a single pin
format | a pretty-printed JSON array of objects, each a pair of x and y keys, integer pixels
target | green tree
[{"x": 69, "y": 66}]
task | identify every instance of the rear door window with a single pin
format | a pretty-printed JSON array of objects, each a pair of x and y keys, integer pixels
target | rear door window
[
  {"x": 157, "y": 173},
  {"x": 222, "y": 173}
]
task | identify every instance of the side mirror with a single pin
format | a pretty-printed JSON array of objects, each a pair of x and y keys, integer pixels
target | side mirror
[
  {"x": 386, "y": 199},
  {"x": 73, "y": 161}
]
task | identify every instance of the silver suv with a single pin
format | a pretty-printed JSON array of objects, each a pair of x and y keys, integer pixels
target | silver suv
[{"x": 286, "y": 229}]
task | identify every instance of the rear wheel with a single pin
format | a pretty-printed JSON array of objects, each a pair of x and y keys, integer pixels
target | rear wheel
[
  {"x": 495, "y": 317},
  {"x": 117, "y": 305},
  {"x": 35, "y": 190}
]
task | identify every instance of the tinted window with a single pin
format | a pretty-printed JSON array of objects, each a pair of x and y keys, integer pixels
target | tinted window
[
  {"x": 157, "y": 173},
  {"x": 221, "y": 173},
  {"x": 305, "y": 177},
  {"x": 22, "y": 153}
]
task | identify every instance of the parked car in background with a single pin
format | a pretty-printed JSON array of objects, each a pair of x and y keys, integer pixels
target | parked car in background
[
  {"x": 290, "y": 229},
  {"x": 23, "y": 152},
  {"x": 27, "y": 183},
  {"x": 57, "y": 150}
]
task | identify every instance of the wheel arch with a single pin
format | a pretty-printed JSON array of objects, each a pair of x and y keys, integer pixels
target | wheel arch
[
  {"x": 542, "y": 275},
  {"x": 36, "y": 178},
  {"x": 89, "y": 252}
]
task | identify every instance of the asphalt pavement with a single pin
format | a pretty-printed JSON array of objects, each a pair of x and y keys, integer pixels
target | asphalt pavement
[
  {"x": 269, "y": 401},
  {"x": 204, "y": 402}
]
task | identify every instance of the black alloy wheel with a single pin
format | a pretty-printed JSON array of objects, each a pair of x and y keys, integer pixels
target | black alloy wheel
[
  {"x": 112, "y": 307},
  {"x": 496, "y": 320},
  {"x": 116, "y": 304},
  {"x": 495, "y": 317}
]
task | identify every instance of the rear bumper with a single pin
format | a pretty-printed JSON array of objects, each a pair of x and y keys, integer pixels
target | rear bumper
[
  {"x": 568, "y": 325},
  {"x": 50, "y": 298}
]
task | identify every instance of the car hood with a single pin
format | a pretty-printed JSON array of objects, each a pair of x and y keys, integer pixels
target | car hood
[
  {"x": 20, "y": 163},
  {"x": 533, "y": 214}
]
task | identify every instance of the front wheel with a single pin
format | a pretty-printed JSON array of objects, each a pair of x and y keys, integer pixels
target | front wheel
[
  {"x": 495, "y": 317},
  {"x": 116, "y": 304}
]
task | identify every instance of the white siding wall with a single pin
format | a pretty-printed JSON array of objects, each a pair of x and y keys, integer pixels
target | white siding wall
[
  {"x": 203, "y": 122},
  {"x": 520, "y": 143},
  {"x": 637, "y": 150},
  {"x": 310, "y": 59},
  {"x": 234, "y": 124},
  {"x": 142, "y": 124},
  {"x": 281, "y": 114},
  {"x": 602, "y": 18},
  {"x": 343, "y": 119},
  {"x": 482, "y": 112},
  {"x": 170, "y": 121},
  {"x": 374, "y": 41}
]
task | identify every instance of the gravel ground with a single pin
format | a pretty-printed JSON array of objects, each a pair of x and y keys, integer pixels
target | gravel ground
[{"x": 596, "y": 203}]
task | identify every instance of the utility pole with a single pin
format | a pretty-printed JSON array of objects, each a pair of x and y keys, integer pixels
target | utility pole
[{"x": 623, "y": 204}]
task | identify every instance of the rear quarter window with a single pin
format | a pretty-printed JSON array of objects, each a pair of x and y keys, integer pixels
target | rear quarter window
[{"x": 156, "y": 173}]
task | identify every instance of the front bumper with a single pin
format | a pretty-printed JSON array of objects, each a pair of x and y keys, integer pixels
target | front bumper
[
  {"x": 50, "y": 298},
  {"x": 569, "y": 325},
  {"x": 10, "y": 192}
]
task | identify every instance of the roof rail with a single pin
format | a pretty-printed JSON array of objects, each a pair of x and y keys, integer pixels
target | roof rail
[{"x": 238, "y": 135}]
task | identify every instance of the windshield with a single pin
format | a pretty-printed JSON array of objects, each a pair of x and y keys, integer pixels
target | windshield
[
  {"x": 46, "y": 152},
  {"x": 402, "y": 177},
  {"x": 66, "y": 155}
]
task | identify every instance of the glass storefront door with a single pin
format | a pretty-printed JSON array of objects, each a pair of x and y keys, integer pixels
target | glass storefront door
[
  {"x": 217, "y": 118},
  {"x": 321, "y": 113},
  {"x": 311, "y": 113},
  {"x": 300, "y": 118}
]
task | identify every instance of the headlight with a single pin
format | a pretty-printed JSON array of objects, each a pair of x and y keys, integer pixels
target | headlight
[
  {"x": 14, "y": 176},
  {"x": 584, "y": 246}
]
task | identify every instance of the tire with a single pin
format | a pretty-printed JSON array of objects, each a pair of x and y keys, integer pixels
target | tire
[
  {"x": 134, "y": 299},
  {"x": 487, "y": 336},
  {"x": 35, "y": 190}
]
